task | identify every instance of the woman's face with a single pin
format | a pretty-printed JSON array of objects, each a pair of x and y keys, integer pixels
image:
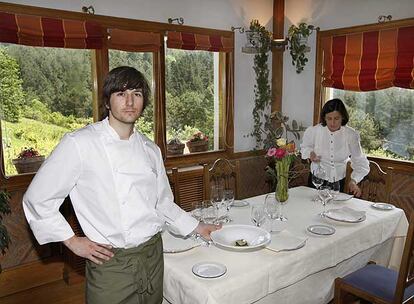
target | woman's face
[{"x": 333, "y": 121}]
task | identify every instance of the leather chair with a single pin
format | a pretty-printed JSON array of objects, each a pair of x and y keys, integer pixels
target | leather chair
[
  {"x": 378, "y": 284},
  {"x": 376, "y": 186}
]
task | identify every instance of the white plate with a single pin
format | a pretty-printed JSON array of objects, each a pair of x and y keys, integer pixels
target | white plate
[
  {"x": 240, "y": 203},
  {"x": 383, "y": 206},
  {"x": 346, "y": 215},
  {"x": 340, "y": 197},
  {"x": 228, "y": 235},
  {"x": 321, "y": 229},
  {"x": 209, "y": 270},
  {"x": 174, "y": 244}
]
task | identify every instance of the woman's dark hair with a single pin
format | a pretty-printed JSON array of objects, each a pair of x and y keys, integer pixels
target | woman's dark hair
[
  {"x": 334, "y": 105},
  {"x": 124, "y": 78}
]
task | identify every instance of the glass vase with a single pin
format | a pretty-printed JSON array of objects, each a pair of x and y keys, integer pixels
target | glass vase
[{"x": 282, "y": 187}]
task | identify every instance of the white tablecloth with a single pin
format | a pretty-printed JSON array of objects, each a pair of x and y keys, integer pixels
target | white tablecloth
[{"x": 301, "y": 276}]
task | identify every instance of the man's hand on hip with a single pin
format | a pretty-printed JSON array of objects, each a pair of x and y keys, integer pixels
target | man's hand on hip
[{"x": 84, "y": 247}]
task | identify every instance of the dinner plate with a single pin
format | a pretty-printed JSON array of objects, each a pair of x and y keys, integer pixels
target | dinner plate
[
  {"x": 340, "y": 197},
  {"x": 174, "y": 244},
  {"x": 240, "y": 203},
  {"x": 383, "y": 206},
  {"x": 240, "y": 237},
  {"x": 346, "y": 215},
  {"x": 321, "y": 229},
  {"x": 209, "y": 270}
]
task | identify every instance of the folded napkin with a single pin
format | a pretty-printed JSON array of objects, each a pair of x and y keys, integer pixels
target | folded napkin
[
  {"x": 345, "y": 214},
  {"x": 172, "y": 243},
  {"x": 342, "y": 197},
  {"x": 285, "y": 241}
]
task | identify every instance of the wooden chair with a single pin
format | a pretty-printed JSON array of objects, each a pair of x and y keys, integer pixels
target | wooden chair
[
  {"x": 379, "y": 284},
  {"x": 223, "y": 172},
  {"x": 187, "y": 185},
  {"x": 376, "y": 186}
]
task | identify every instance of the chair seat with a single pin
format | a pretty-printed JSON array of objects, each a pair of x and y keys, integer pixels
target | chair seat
[{"x": 377, "y": 280}]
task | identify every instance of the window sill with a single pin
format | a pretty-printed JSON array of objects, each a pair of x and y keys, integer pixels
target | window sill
[{"x": 398, "y": 165}]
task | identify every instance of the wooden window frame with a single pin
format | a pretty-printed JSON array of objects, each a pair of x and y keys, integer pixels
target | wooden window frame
[
  {"x": 321, "y": 92},
  {"x": 100, "y": 67}
]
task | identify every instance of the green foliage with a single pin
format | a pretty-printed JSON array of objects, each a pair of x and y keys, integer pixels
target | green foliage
[
  {"x": 298, "y": 37},
  {"x": 11, "y": 94},
  {"x": 262, "y": 91},
  {"x": 4, "y": 209},
  {"x": 369, "y": 131}
]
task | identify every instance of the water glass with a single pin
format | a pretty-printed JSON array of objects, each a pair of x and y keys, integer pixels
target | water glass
[
  {"x": 335, "y": 188},
  {"x": 318, "y": 176},
  {"x": 197, "y": 210},
  {"x": 228, "y": 202},
  {"x": 258, "y": 215},
  {"x": 324, "y": 193},
  {"x": 209, "y": 213},
  {"x": 271, "y": 209}
]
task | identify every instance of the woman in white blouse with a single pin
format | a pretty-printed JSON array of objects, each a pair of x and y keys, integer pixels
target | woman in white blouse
[{"x": 331, "y": 143}]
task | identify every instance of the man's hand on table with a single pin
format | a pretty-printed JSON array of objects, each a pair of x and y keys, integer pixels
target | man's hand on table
[
  {"x": 84, "y": 247},
  {"x": 205, "y": 229}
]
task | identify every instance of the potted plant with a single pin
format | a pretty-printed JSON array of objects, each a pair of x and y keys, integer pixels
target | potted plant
[
  {"x": 4, "y": 209},
  {"x": 28, "y": 160},
  {"x": 298, "y": 44},
  {"x": 175, "y": 147},
  {"x": 198, "y": 142}
]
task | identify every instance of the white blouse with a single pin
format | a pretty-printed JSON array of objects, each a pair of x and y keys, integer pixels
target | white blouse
[
  {"x": 118, "y": 188},
  {"x": 335, "y": 149}
]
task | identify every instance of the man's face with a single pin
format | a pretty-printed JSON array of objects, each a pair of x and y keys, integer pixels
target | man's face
[
  {"x": 126, "y": 106},
  {"x": 333, "y": 121}
]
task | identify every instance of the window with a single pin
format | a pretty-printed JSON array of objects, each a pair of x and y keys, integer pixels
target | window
[
  {"x": 192, "y": 96},
  {"x": 46, "y": 93},
  {"x": 370, "y": 69},
  {"x": 56, "y": 89},
  {"x": 384, "y": 119}
]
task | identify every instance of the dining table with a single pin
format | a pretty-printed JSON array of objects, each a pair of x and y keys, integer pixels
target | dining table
[{"x": 302, "y": 274}]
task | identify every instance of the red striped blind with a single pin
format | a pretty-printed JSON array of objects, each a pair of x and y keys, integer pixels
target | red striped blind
[
  {"x": 369, "y": 61},
  {"x": 190, "y": 41},
  {"x": 50, "y": 32},
  {"x": 134, "y": 41}
]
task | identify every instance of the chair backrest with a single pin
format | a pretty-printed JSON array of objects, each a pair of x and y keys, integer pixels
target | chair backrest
[
  {"x": 376, "y": 186},
  {"x": 406, "y": 273},
  {"x": 187, "y": 186},
  {"x": 223, "y": 172}
]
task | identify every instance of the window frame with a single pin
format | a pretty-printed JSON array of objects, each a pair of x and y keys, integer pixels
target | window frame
[
  {"x": 321, "y": 93},
  {"x": 100, "y": 67}
]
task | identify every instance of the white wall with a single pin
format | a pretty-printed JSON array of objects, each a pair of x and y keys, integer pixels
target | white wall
[
  {"x": 217, "y": 14},
  {"x": 298, "y": 89}
]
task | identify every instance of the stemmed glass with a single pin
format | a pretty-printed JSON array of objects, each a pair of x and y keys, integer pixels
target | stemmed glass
[
  {"x": 271, "y": 208},
  {"x": 217, "y": 200},
  {"x": 325, "y": 195},
  {"x": 335, "y": 188},
  {"x": 318, "y": 178},
  {"x": 228, "y": 201},
  {"x": 258, "y": 215}
]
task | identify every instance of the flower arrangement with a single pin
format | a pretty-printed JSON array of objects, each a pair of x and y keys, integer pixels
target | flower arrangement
[
  {"x": 198, "y": 142},
  {"x": 175, "y": 147},
  {"x": 28, "y": 160},
  {"x": 198, "y": 136},
  {"x": 28, "y": 152}
]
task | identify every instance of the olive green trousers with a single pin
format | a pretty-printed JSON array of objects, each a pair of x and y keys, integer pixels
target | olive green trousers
[{"x": 132, "y": 276}]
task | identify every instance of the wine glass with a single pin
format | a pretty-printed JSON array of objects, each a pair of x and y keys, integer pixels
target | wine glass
[
  {"x": 271, "y": 208},
  {"x": 318, "y": 178},
  {"x": 197, "y": 210},
  {"x": 217, "y": 200},
  {"x": 228, "y": 201},
  {"x": 325, "y": 195},
  {"x": 258, "y": 215},
  {"x": 335, "y": 188},
  {"x": 209, "y": 213}
]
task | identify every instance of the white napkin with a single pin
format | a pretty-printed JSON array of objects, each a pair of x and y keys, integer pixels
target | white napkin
[
  {"x": 285, "y": 240},
  {"x": 173, "y": 244},
  {"x": 345, "y": 214},
  {"x": 342, "y": 197}
]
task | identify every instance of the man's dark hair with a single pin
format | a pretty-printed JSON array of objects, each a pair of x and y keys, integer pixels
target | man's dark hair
[
  {"x": 334, "y": 105},
  {"x": 124, "y": 78}
]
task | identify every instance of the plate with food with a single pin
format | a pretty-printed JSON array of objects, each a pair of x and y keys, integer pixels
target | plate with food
[{"x": 240, "y": 237}]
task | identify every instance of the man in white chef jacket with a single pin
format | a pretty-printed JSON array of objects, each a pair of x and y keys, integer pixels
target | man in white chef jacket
[{"x": 117, "y": 183}]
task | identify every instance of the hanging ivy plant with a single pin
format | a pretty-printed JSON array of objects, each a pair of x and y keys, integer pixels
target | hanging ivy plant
[
  {"x": 298, "y": 44},
  {"x": 262, "y": 91}
]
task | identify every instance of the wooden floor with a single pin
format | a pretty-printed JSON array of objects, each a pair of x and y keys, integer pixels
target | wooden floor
[{"x": 54, "y": 293}]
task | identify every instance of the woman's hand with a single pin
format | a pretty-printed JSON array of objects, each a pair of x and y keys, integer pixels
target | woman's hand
[
  {"x": 354, "y": 189},
  {"x": 205, "y": 229},
  {"x": 84, "y": 247},
  {"x": 314, "y": 158}
]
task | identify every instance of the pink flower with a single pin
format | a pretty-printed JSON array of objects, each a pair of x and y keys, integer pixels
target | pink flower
[
  {"x": 271, "y": 152},
  {"x": 280, "y": 153}
]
